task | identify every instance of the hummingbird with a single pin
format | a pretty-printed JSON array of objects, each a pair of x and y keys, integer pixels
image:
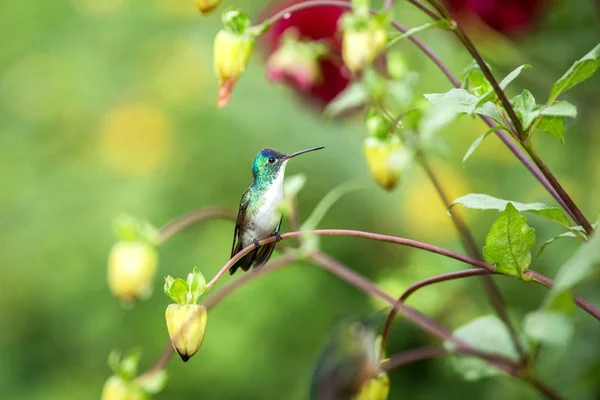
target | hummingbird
[
  {"x": 348, "y": 360},
  {"x": 258, "y": 216}
]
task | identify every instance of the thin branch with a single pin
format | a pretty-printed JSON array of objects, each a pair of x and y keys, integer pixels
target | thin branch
[
  {"x": 549, "y": 283},
  {"x": 354, "y": 279},
  {"x": 346, "y": 274},
  {"x": 472, "y": 249},
  {"x": 421, "y": 284},
  {"x": 410, "y": 356},
  {"x": 183, "y": 222}
]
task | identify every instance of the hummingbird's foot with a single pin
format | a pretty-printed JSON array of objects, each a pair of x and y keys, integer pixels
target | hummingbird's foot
[
  {"x": 256, "y": 244},
  {"x": 278, "y": 237}
]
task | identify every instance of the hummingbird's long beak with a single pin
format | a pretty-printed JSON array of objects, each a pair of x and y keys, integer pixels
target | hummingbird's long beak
[{"x": 287, "y": 157}]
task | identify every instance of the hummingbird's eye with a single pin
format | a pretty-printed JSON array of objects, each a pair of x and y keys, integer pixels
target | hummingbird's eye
[{"x": 271, "y": 160}]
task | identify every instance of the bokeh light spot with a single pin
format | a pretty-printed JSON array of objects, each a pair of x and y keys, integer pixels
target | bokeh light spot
[{"x": 136, "y": 139}]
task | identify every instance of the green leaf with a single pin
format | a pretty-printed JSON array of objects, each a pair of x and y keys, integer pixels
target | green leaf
[
  {"x": 526, "y": 108},
  {"x": 176, "y": 289},
  {"x": 478, "y": 201},
  {"x": 554, "y": 126},
  {"x": 353, "y": 96},
  {"x": 311, "y": 242},
  {"x": 480, "y": 140},
  {"x": 509, "y": 242},
  {"x": 555, "y": 238},
  {"x": 488, "y": 334},
  {"x": 441, "y": 23},
  {"x": 562, "y": 302},
  {"x": 549, "y": 327},
  {"x": 293, "y": 185},
  {"x": 154, "y": 382},
  {"x": 560, "y": 109},
  {"x": 196, "y": 284},
  {"x": 456, "y": 102},
  {"x": 579, "y": 265},
  {"x": 125, "y": 367},
  {"x": 580, "y": 71},
  {"x": 503, "y": 84}
]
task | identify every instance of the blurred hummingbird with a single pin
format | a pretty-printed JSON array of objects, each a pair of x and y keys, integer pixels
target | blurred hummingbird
[
  {"x": 258, "y": 216},
  {"x": 347, "y": 361}
]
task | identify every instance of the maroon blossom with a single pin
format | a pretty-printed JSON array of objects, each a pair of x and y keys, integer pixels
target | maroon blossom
[
  {"x": 510, "y": 17},
  {"x": 316, "y": 24}
]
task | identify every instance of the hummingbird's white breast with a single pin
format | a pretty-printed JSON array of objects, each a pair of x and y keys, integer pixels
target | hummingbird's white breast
[{"x": 267, "y": 217}]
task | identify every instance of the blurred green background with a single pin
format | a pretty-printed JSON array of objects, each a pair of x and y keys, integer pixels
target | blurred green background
[{"x": 109, "y": 107}]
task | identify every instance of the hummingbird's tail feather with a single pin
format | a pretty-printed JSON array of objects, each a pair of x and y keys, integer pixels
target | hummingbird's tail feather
[
  {"x": 264, "y": 253},
  {"x": 257, "y": 258}
]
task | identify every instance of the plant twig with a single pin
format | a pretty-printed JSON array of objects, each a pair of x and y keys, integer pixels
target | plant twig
[
  {"x": 183, "y": 222},
  {"x": 412, "y": 355},
  {"x": 472, "y": 249},
  {"x": 421, "y": 284}
]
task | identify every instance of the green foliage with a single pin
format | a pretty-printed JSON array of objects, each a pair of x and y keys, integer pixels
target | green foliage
[
  {"x": 549, "y": 327},
  {"x": 154, "y": 382},
  {"x": 554, "y": 126},
  {"x": 355, "y": 95},
  {"x": 581, "y": 70},
  {"x": 526, "y": 109},
  {"x": 129, "y": 228},
  {"x": 186, "y": 292},
  {"x": 508, "y": 79},
  {"x": 311, "y": 242},
  {"x": 440, "y": 23},
  {"x": 509, "y": 242},
  {"x": 579, "y": 266},
  {"x": 125, "y": 366},
  {"x": 488, "y": 334},
  {"x": 478, "y": 201},
  {"x": 477, "y": 142}
]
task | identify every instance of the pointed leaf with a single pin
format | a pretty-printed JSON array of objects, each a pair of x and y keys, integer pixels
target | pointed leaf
[
  {"x": 129, "y": 364},
  {"x": 555, "y": 238},
  {"x": 579, "y": 265},
  {"x": 440, "y": 23},
  {"x": 488, "y": 334},
  {"x": 478, "y": 201},
  {"x": 549, "y": 327},
  {"x": 503, "y": 84},
  {"x": 196, "y": 284},
  {"x": 456, "y": 102},
  {"x": 554, "y": 126},
  {"x": 293, "y": 185},
  {"x": 526, "y": 108},
  {"x": 509, "y": 242},
  {"x": 580, "y": 71},
  {"x": 353, "y": 96},
  {"x": 154, "y": 382},
  {"x": 480, "y": 140},
  {"x": 327, "y": 202},
  {"x": 560, "y": 109},
  {"x": 178, "y": 291}
]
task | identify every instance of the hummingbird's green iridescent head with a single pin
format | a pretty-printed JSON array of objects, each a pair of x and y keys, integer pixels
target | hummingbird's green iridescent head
[{"x": 269, "y": 162}]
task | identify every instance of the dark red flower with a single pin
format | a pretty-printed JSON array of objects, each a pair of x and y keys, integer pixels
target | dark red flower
[
  {"x": 506, "y": 16},
  {"x": 312, "y": 24}
]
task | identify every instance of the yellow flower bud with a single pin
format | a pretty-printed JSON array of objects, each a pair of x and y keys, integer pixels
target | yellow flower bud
[
  {"x": 206, "y": 6},
  {"x": 377, "y": 388},
  {"x": 360, "y": 46},
  {"x": 232, "y": 53},
  {"x": 116, "y": 388},
  {"x": 386, "y": 159},
  {"x": 131, "y": 269},
  {"x": 186, "y": 325}
]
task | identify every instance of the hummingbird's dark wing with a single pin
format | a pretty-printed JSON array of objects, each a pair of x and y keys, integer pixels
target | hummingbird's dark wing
[
  {"x": 237, "y": 239},
  {"x": 266, "y": 250}
]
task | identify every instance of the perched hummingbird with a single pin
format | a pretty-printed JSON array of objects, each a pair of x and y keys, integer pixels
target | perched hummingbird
[{"x": 258, "y": 216}]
